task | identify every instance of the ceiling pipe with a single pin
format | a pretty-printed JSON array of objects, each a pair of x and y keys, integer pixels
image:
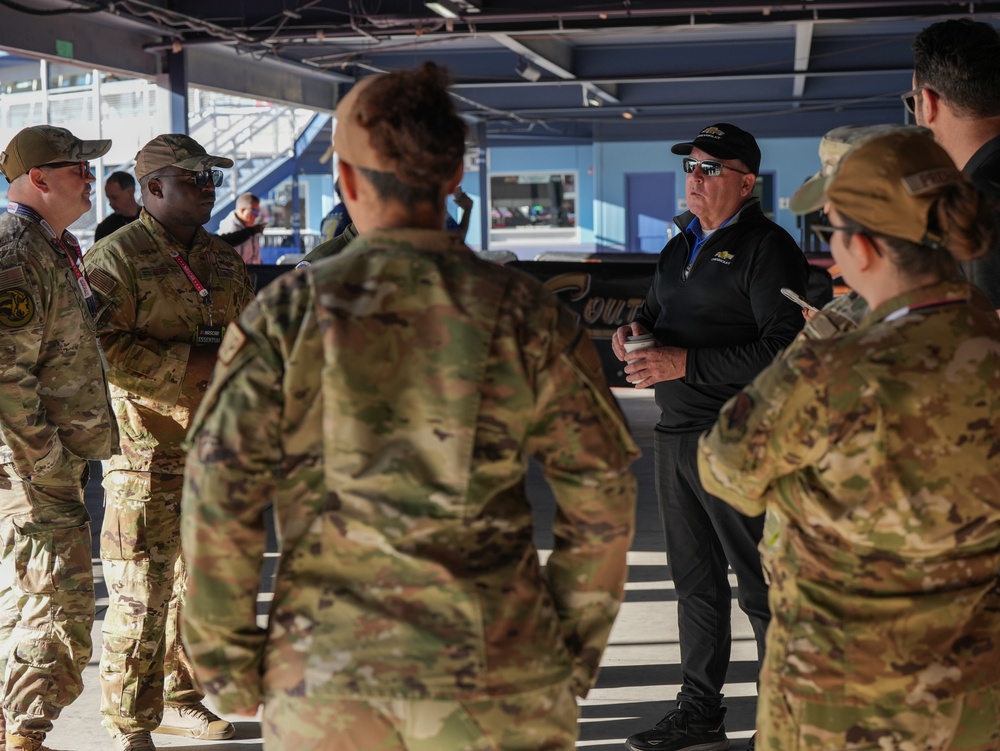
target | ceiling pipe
[{"x": 689, "y": 11}]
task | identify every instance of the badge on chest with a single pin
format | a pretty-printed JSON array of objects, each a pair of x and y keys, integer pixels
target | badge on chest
[{"x": 209, "y": 335}]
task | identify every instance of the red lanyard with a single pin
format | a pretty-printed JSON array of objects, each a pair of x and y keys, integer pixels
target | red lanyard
[
  {"x": 897, "y": 314},
  {"x": 205, "y": 294},
  {"x": 75, "y": 257}
]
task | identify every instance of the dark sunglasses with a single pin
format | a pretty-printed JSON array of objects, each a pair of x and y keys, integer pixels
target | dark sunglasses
[
  {"x": 203, "y": 178},
  {"x": 910, "y": 99},
  {"x": 83, "y": 168},
  {"x": 710, "y": 167},
  {"x": 824, "y": 231}
]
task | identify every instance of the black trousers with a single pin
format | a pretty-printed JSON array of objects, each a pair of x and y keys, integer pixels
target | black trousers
[{"x": 705, "y": 536}]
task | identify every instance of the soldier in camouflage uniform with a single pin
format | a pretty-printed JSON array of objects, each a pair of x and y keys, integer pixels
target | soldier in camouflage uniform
[
  {"x": 387, "y": 401},
  {"x": 55, "y": 414},
  {"x": 844, "y": 312},
  {"x": 875, "y": 456},
  {"x": 167, "y": 289}
]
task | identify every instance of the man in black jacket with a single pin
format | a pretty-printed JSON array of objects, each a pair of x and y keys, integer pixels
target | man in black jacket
[
  {"x": 718, "y": 317},
  {"x": 956, "y": 94},
  {"x": 120, "y": 191}
]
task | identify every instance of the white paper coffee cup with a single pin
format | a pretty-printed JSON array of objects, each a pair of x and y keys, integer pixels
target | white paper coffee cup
[{"x": 639, "y": 341}]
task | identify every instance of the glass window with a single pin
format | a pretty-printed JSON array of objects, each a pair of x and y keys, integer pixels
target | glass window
[{"x": 533, "y": 207}]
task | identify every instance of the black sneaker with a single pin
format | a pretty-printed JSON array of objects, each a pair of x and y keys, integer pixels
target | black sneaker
[{"x": 680, "y": 730}]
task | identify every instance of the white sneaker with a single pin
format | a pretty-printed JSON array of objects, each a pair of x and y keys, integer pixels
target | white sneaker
[
  {"x": 138, "y": 740},
  {"x": 194, "y": 721}
]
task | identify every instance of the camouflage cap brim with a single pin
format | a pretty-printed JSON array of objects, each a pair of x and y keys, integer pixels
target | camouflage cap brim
[
  {"x": 88, "y": 150},
  {"x": 207, "y": 161},
  {"x": 40, "y": 144},
  {"x": 810, "y": 196}
]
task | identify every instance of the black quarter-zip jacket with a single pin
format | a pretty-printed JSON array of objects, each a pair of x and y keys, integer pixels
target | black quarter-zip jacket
[{"x": 727, "y": 310}]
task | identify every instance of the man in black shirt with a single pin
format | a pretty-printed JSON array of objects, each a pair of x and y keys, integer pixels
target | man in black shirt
[
  {"x": 956, "y": 94},
  {"x": 120, "y": 190},
  {"x": 718, "y": 317}
]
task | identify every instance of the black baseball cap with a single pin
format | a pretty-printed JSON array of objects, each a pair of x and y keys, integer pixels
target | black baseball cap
[{"x": 724, "y": 141}]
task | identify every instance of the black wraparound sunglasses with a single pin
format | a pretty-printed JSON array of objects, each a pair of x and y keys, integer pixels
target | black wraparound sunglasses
[{"x": 203, "y": 178}]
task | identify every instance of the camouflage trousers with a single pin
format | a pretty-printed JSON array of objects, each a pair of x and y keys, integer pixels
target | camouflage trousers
[
  {"x": 143, "y": 663},
  {"x": 970, "y": 722},
  {"x": 46, "y": 597},
  {"x": 542, "y": 720}
]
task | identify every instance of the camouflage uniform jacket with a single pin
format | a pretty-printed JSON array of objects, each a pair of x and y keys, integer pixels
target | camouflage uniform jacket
[
  {"x": 53, "y": 391},
  {"x": 388, "y": 401},
  {"x": 333, "y": 246},
  {"x": 876, "y": 457},
  {"x": 149, "y": 315}
]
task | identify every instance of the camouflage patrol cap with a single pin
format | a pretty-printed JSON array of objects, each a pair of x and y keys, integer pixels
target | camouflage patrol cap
[
  {"x": 889, "y": 183},
  {"x": 351, "y": 139},
  {"x": 41, "y": 144},
  {"x": 836, "y": 143},
  {"x": 175, "y": 150}
]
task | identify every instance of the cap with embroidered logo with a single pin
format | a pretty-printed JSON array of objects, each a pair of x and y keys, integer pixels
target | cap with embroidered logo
[
  {"x": 175, "y": 150},
  {"x": 724, "y": 141},
  {"x": 42, "y": 144}
]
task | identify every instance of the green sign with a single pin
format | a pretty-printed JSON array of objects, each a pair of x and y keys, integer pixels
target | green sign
[{"x": 64, "y": 48}]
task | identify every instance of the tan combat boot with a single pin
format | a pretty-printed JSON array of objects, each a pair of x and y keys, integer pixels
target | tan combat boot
[
  {"x": 24, "y": 743},
  {"x": 194, "y": 721},
  {"x": 137, "y": 740}
]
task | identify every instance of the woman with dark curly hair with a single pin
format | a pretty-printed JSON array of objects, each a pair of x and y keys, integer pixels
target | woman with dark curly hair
[
  {"x": 387, "y": 400},
  {"x": 876, "y": 455}
]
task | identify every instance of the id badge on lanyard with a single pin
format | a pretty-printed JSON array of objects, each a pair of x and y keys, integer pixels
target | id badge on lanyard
[{"x": 205, "y": 334}]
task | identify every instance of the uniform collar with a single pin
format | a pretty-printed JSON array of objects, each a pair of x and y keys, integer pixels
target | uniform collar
[
  {"x": 167, "y": 241},
  {"x": 749, "y": 209},
  {"x": 422, "y": 240},
  {"x": 940, "y": 292}
]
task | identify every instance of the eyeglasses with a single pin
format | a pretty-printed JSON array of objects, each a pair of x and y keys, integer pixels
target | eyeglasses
[
  {"x": 710, "y": 167},
  {"x": 910, "y": 99},
  {"x": 824, "y": 231},
  {"x": 83, "y": 168},
  {"x": 203, "y": 178}
]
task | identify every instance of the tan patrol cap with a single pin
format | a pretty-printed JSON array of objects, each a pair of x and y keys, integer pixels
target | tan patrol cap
[
  {"x": 351, "y": 139},
  {"x": 836, "y": 143},
  {"x": 888, "y": 183},
  {"x": 41, "y": 144},
  {"x": 175, "y": 150}
]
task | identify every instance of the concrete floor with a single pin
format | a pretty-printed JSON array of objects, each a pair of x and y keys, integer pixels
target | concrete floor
[{"x": 640, "y": 674}]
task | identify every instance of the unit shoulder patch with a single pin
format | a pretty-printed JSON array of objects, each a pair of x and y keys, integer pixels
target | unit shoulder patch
[
  {"x": 231, "y": 344},
  {"x": 17, "y": 308}
]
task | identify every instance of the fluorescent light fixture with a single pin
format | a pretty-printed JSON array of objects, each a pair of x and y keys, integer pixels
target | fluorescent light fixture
[
  {"x": 443, "y": 8},
  {"x": 526, "y": 70}
]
